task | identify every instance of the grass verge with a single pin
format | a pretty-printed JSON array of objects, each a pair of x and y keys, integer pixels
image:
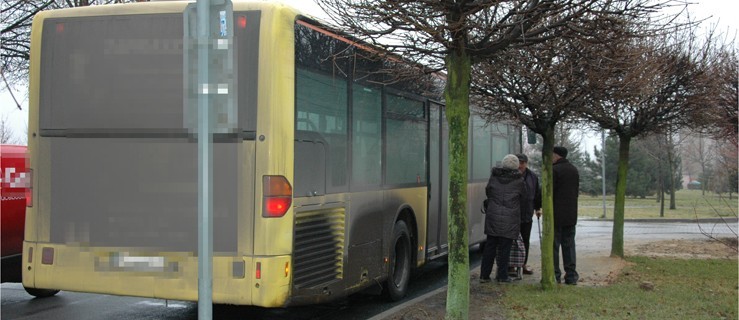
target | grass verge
[
  {"x": 682, "y": 289},
  {"x": 689, "y": 204}
]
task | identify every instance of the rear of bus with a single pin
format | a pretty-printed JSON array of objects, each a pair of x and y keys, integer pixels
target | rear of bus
[{"x": 115, "y": 189}]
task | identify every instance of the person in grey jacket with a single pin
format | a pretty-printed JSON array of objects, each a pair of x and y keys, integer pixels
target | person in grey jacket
[{"x": 505, "y": 191}]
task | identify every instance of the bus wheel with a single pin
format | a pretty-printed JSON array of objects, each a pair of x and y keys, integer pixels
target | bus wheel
[
  {"x": 400, "y": 263},
  {"x": 41, "y": 293}
]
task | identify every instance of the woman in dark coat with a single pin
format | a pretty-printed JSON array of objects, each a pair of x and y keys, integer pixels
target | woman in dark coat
[{"x": 505, "y": 191}]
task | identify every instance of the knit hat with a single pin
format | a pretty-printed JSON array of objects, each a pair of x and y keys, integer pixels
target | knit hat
[
  {"x": 561, "y": 151},
  {"x": 522, "y": 157},
  {"x": 510, "y": 162}
]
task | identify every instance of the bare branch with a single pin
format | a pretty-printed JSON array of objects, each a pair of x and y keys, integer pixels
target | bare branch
[{"x": 731, "y": 226}]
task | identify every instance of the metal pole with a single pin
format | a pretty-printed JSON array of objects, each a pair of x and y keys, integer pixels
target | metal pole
[
  {"x": 205, "y": 168},
  {"x": 603, "y": 167}
]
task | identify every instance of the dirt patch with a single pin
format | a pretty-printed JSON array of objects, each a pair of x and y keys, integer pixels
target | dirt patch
[
  {"x": 599, "y": 271},
  {"x": 723, "y": 248},
  {"x": 595, "y": 270},
  {"x": 483, "y": 304}
]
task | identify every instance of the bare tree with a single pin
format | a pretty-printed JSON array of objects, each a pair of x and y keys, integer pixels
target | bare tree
[
  {"x": 541, "y": 87},
  {"x": 654, "y": 146},
  {"x": 656, "y": 84},
  {"x": 665, "y": 149},
  {"x": 721, "y": 120},
  {"x": 452, "y": 35},
  {"x": 6, "y": 133},
  {"x": 725, "y": 165},
  {"x": 546, "y": 84},
  {"x": 698, "y": 152},
  {"x": 724, "y": 122}
]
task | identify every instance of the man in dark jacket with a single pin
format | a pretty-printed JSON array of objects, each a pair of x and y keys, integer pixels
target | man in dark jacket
[
  {"x": 531, "y": 204},
  {"x": 566, "y": 182},
  {"x": 505, "y": 191}
]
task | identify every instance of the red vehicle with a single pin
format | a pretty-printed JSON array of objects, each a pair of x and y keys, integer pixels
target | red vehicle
[{"x": 14, "y": 183}]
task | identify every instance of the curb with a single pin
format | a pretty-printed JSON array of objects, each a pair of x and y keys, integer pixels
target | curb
[
  {"x": 396, "y": 309},
  {"x": 660, "y": 220}
]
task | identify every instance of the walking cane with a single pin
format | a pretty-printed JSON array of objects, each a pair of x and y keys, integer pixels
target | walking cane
[{"x": 538, "y": 226}]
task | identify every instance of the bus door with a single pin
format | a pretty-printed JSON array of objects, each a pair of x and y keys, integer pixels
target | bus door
[{"x": 438, "y": 182}]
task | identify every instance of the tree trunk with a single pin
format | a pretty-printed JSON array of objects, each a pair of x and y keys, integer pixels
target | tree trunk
[
  {"x": 547, "y": 205},
  {"x": 457, "y": 94},
  {"x": 662, "y": 205},
  {"x": 617, "y": 239}
]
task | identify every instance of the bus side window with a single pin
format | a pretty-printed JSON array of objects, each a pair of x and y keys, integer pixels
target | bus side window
[
  {"x": 367, "y": 136},
  {"x": 310, "y": 164},
  {"x": 406, "y": 141},
  {"x": 321, "y": 108}
]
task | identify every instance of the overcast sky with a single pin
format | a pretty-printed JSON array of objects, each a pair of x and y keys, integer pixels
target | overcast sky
[{"x": 721, "y": 12}]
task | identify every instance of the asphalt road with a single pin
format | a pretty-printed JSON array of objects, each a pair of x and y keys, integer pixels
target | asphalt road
[{"x": 591, "y": 235}]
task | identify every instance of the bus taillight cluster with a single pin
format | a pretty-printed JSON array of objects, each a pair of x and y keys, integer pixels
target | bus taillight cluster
[{"x": 278, "y": 196}]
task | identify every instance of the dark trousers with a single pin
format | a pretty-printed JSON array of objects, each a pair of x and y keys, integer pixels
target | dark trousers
[
  {"x": 496, "y": 246},
  {"x": 565, "y": 237},
  {"x": 526, "y": 234}
]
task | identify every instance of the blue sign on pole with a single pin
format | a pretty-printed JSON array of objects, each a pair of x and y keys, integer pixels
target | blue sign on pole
[{"x": 220, "y": 84}]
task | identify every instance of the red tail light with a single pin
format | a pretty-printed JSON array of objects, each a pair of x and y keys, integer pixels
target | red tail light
[
  {"x": 29, "y": 188},
  {"x": 278, "y": 196},
  {"x": 277, "y": 206},
  {"x": 242, "y": 22}
]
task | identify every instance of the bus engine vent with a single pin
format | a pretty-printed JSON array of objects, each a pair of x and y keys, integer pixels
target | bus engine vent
[{"x": 319, "y": 247}]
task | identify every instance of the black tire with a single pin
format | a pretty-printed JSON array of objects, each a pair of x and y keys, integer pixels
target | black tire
[
  {"x": 481, "y": 246},
  {"x": 399, "y": 268},
  {"x": 41, "y": 293}
]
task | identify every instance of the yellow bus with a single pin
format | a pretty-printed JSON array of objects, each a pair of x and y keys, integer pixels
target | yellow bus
[{"x": 335, "y": 181}]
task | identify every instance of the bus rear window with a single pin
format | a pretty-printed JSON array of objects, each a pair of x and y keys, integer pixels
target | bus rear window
[
  {"x": 112, "y": 72},
  {"x": 126, "y": 72}
]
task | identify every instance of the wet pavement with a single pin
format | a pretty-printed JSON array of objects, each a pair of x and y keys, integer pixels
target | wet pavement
[{"x": 653, "y": 230}]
